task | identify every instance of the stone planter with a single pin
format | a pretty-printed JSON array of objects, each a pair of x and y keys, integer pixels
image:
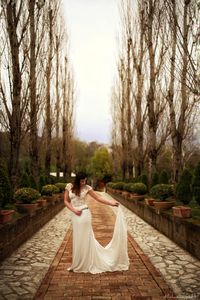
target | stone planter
[
  {"x": 181, "y": 211},
  {"x": 163, "y": 205},
  {"x": 50, "y": 199},
  {"x": 149, "y": 201},
  {"x": 6, "y": 215},
  {"x": 29, "y": 208},
  {"x": 42, "y": 202},
  {"x": 58, "y": 197},
  {"x": 125, "y": 194},
  {"x": 136, "y": 197}
]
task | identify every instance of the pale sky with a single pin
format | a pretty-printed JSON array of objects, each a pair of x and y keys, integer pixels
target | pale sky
[{"x": 92, "y": 27}]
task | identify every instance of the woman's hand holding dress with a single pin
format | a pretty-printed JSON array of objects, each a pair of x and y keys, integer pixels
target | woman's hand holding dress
[
  {"x": 77, "y": 212},
  {"x": 114, "y": 203}
]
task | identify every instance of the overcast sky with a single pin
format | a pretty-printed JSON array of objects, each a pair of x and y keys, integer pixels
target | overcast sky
[{"x": 92, "y": 27}]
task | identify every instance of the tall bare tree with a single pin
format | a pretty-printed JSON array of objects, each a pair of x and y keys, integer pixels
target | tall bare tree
[
  {"x": 182, "y": 62},
  {"x": 15, "y": 24},
  {"x": 33, "y": 101},
  {"x": 139, "y": 56},
  {"x": 48, "y": 94},
  {"x": 58, "y": 152},
  {"x": 68, "y": 119}
]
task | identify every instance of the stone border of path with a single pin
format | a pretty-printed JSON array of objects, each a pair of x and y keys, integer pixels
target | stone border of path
[
  {"x": 22, "y": 272},
  {"x": 181, "y": 231}
]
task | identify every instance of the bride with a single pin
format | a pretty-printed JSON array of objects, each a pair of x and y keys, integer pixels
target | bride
[{"x": 87, "y": 254}]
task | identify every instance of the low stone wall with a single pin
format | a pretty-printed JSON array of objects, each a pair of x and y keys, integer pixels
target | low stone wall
[
  {"x": 13, "y": 234},
  {"x": 184, "y": 233}
]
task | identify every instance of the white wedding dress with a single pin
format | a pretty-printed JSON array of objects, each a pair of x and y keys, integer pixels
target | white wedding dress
[{"x": 87, "y": 254}]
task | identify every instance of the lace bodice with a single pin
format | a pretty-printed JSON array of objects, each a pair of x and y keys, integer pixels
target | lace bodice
[{"x": 78, "y": 200}]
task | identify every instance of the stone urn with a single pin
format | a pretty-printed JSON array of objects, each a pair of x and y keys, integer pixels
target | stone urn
[
  {"x": 136, "y": 197},
  {"x": 163, "y": 205},
  {"x": 42, "y": 202},
  {"x": 6, "y": 215},
  {"x": 29, "y": 208},
  {"x": 149, "y": 201}
]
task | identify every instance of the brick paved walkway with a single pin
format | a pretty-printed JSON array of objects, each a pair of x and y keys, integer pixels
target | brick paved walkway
[{"x": 141, "y": 281}]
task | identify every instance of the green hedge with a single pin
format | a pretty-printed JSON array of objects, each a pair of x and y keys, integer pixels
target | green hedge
[{"x": 118, "y": 185}]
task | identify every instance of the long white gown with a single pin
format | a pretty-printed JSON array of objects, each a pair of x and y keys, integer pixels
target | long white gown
[{"x": 87, "y": 254}]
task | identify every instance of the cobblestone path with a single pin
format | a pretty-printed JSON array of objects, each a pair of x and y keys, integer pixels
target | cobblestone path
[
  {"x": 151, "y": 254},
  {"x": 141, "y": 280}
]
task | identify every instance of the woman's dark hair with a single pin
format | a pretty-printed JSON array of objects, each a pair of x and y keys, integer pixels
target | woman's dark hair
[{"x": 76, "y": 186}]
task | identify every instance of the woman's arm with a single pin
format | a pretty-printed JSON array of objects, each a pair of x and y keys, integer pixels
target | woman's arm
[
  {"x": 68, "y": 204},
  {"x": 103, "y": 200}
]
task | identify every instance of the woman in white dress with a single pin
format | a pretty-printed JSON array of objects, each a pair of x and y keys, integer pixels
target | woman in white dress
[{"x": 87, "y": 254}]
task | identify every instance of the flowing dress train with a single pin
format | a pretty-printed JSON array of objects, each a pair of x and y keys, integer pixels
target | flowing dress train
[{"x": 88, "y": 255}]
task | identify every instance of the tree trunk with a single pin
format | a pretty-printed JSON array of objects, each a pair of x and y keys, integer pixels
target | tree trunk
[
  {"x": 170, "y": 98},
  {"x": 184, "y": 94},
  {"x": 64, "y": 125},
  {"x": 58, "y": 161},
  {"x": 177, "y": 132},
  {"x": 48, "y": 100},
  {"x": 140, "y": 86},
  {"x": 15, "y": 121},
  {"x": 129, "y": 114},
  {"x": 33, "y": 100},
  {"x": 151, "y": 95}
]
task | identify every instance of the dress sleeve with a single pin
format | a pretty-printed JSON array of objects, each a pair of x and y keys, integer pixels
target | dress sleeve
[
  {"x": 88, "y": 188},
  {"x": 68, "y": 187}
]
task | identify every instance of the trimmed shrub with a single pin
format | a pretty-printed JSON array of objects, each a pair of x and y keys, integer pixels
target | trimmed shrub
[
  {"x": 196, "y": 183},
  {"x": 110, "y": 184},
  {"x": 162, "y": 191},
  {"x": 138, "y": 188},
  {"x": 163, "y": 177},
  {"x": 155, "y": 179},
  {"x": 61, "y": 186},
  {"x": 5, "y": 187},
  {"x": 49, "y": 190},
  {"x": 127, "y": 186},
  {"x": 118, "y": 185},
  {"x": 26, "y": 195},
  {"x": 183, "y": 188}
]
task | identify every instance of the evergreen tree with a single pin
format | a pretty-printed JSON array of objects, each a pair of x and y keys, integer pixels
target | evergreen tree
[
  {"x": 155, "y": 179},
  {"x": 24, "y": 180},
  {"x": 163, "y": 177},
  {"x": 183, "y": 188},
  {"x": 196, "y": 184},
  {"x": 32, "y": 181},
  {"x": 143, "y": 178},
  {"x": 5, "y": 187}
]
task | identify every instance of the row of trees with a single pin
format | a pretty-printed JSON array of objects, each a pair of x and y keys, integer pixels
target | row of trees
[
  {"x": 37, "y": 89},
  {"x": 155, "y": 97}
]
